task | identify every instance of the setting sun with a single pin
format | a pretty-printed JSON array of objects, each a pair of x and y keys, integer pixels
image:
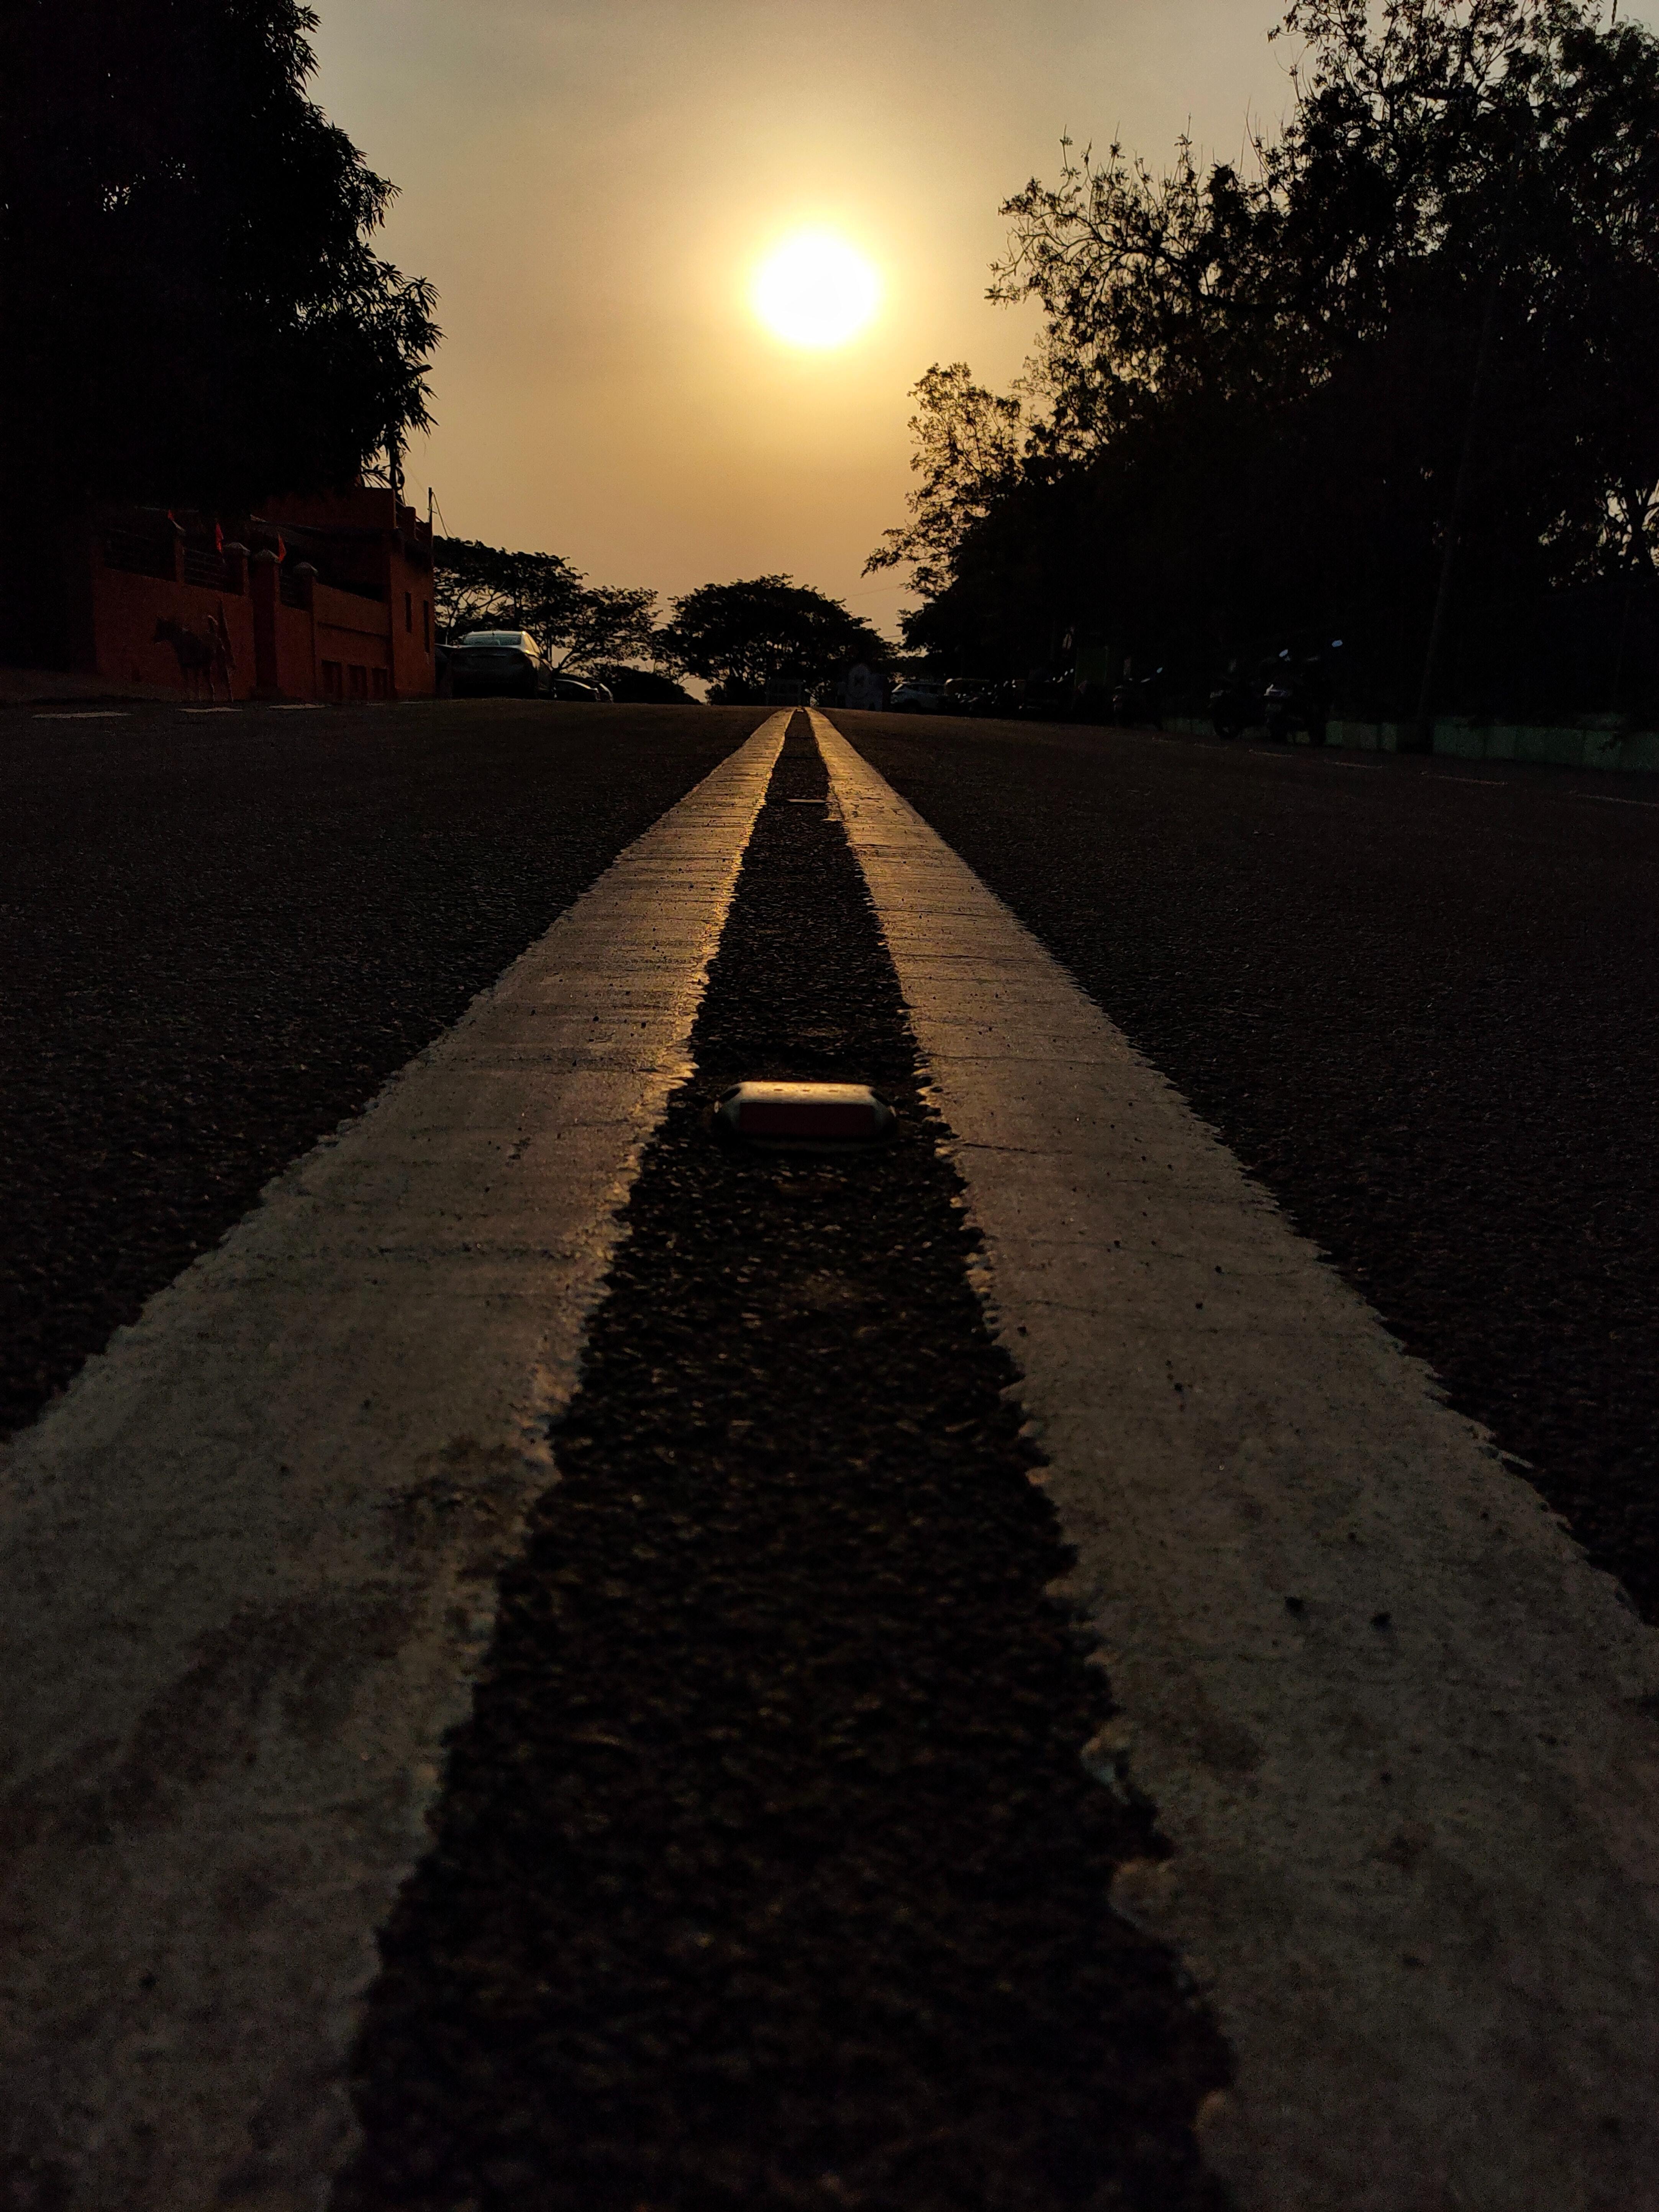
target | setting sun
[{"x": 816, "y": 290}]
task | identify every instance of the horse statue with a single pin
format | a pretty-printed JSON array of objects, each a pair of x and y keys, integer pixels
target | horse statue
[{"x": 201, "y": 658}]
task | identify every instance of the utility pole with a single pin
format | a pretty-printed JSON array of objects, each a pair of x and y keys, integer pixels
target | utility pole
[
  {"x": 1424, "y": 740},
  {"x": 1423, "y": 735}
]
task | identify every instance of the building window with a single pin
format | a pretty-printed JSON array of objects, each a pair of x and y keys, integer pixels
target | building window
[
  {"x": 333, "y": 680},
  {"x": 426, "y": 625},
  {"x": 409, "y": 612},
  {"x": 382, "y": 688},
  {"x": 359, "y": 680}
]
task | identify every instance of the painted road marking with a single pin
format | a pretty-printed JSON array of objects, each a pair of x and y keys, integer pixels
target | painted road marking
[
  {"x": 250, "y": 1556},
  {"x": 85, "y": 715},
  {"x": 1593, "y": 798},
  {"x": 1401, "y": 1738},
  {"x": 1373, "y": 767}
]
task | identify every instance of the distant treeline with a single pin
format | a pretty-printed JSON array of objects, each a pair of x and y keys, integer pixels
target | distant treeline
[
  {"x": 1405, "y": 363},
  {"x": 735, "y": 637}
]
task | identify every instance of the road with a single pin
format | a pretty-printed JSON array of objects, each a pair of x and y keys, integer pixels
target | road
[
  {"x": 1418, "y": 1000},
  {"x": 222, "y": 932},
  {"x": 793, "y": 1846}
]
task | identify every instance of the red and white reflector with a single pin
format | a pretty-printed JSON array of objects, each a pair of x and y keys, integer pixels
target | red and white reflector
[{"x": 806, "y": 1113}]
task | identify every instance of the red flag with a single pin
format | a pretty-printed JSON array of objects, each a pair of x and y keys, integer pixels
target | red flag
[{"x": 218, "y": 537}]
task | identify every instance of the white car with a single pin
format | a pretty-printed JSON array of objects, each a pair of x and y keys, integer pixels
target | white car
[{"x": 920, "y": 695}]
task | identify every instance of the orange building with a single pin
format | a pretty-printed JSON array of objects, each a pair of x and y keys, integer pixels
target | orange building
[{"x": 327, "y": 597}]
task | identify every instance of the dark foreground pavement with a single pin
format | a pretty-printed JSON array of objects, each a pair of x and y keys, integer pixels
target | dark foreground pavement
[
  {"x": 1419, "y": 1000},
  {"x": 220, "y": 934},
  {"x": 767, "y": 1870}
]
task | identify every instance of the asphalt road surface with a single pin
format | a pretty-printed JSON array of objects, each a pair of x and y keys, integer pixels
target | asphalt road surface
[
  {"x": 1418, "y": 1000},
  {"x": 772, "y": 1867},
  {"x": 221, "y": 933}
]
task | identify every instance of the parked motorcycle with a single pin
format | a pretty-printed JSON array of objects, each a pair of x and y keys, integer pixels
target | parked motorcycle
[
  {"x": 1044, "y": 698},
  {"x": 1136, "y": 702},
  {"x": 1297, "y": 696},
  {"x": 1234, "y": 703},
  {"x": 1091, "y": 701}
]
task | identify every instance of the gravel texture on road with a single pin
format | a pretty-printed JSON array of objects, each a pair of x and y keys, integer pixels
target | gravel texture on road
[
  {"x": 768, "y": 1873},
  {"x": 221, "y": 934},
  {"x": 1419, "y": 1002}
]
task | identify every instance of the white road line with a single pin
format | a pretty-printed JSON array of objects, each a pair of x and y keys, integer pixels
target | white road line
[
  {"x": 249, "y": 1558},
  {"x": 1392, "y": 1724},
  {"x": 1503, "y": 783}
]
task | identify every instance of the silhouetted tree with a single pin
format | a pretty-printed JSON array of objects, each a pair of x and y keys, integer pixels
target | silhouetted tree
[
  {"x": 609, "y": 622},
  {"x": 577, "y": 624},
  {"x": 739, "y": 636},
  {"x": 193, "y": 313},
  {"x": 968, "y": 452},
  {"x": 478, "y": 586},
  {"x": 1255, "y": 398}
]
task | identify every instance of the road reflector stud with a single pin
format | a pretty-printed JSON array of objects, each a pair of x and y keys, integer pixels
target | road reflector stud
[{"x": 814, "y": 1113}]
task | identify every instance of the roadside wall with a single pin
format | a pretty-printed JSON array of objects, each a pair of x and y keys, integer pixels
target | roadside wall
[
  {"x": 334, "y": 602},
  {"x": 353, "y": 646},
  {"x": 126, "y": 608}
]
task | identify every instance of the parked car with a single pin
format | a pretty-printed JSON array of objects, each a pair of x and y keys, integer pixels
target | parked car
[
  {"x": 920, "y": 695},
  {"x": 489, "y": 662},
  {"x": 578, "y": 688}
]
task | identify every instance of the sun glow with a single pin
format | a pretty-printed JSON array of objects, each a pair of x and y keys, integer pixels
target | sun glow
[{"x": 814, "y": 290}]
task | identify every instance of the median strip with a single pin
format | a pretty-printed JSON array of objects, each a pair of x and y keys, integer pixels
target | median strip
[{"x": 767, "y": 1873}]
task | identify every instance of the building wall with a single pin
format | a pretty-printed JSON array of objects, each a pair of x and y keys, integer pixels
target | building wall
[
  {"x": 355, "y": 659},
  {"x": 363, "y": 629},
  {"x": 126, "y": 608},
  {"x": 368, "y": 538}
]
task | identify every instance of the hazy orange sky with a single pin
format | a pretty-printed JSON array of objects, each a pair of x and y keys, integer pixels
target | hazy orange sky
[{"x": 589, "y": 184}]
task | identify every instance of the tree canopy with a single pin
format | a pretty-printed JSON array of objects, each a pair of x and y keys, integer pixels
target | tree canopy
[
  {"x": 194, "y": 312},
  {"x": 739, "y": 636},
  {"x": 1255, "y": 395},
  {"x": 578, "y": 626},
  {"x": 735, "y": 636},
  {"x": 478, "y": 586}
]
